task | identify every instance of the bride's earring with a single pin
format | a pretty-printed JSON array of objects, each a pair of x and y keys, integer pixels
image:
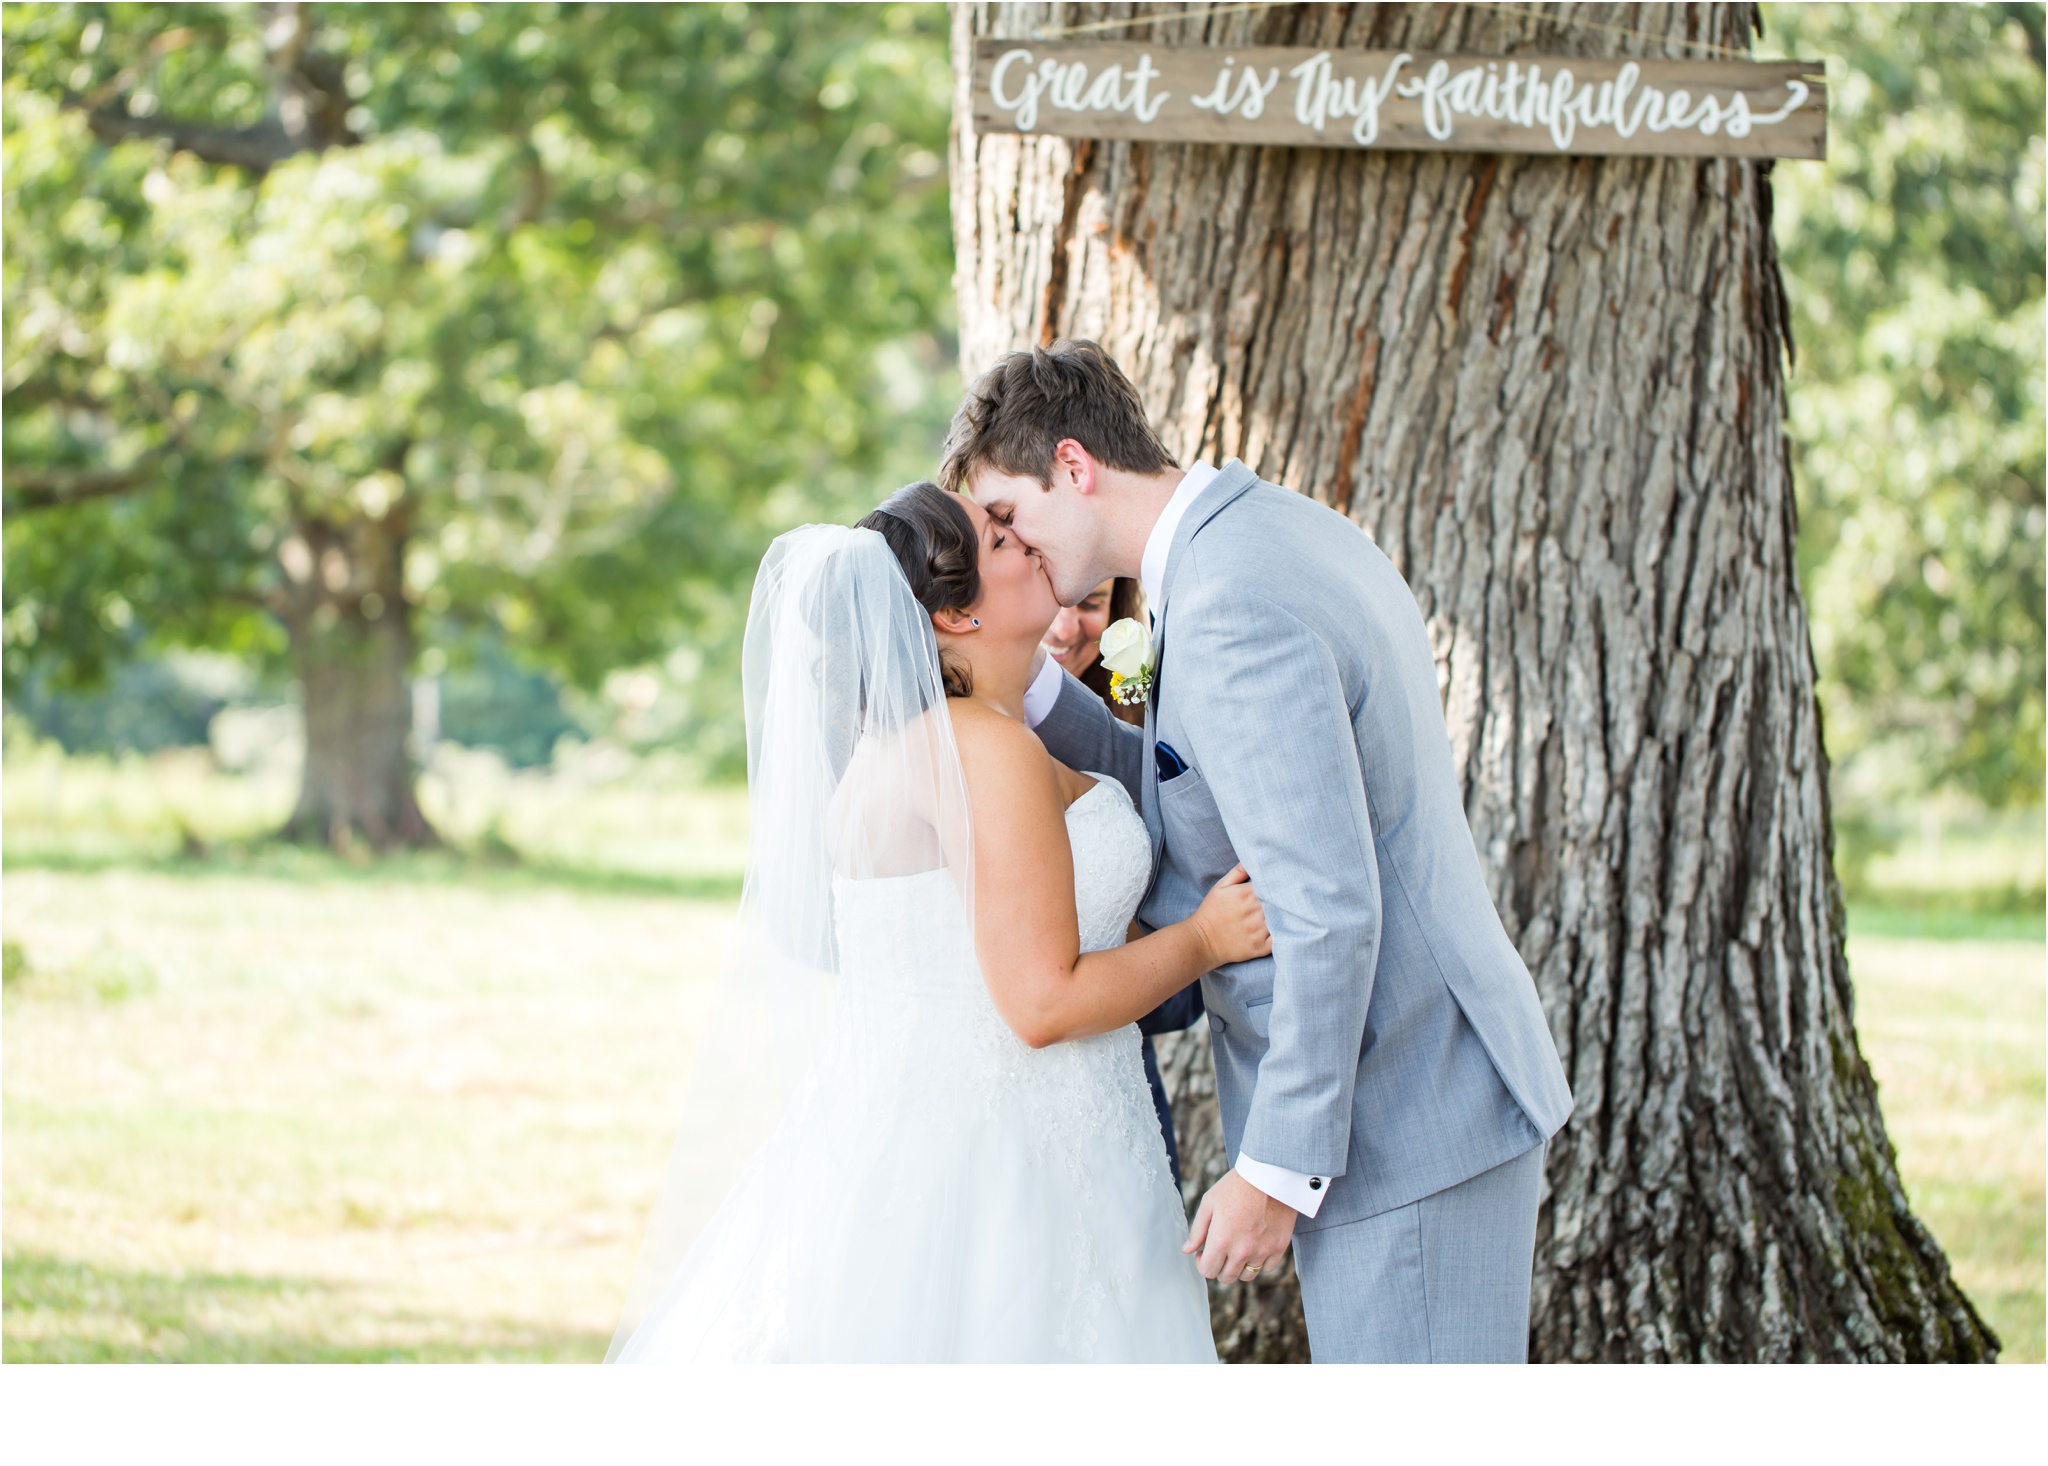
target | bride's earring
[{"x": 975, "y": 621}]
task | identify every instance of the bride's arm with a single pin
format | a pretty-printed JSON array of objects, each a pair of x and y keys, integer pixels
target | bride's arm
[{"x": 1026, "y": 933}]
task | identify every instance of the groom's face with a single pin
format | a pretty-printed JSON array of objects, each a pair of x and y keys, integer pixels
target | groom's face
[{"x": 1052, "y": 519}]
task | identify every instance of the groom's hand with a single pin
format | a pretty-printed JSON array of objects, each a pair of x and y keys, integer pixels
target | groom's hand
[{"x": 1238, "y": 1226}]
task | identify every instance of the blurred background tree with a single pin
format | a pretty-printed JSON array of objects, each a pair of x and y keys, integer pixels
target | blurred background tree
[
  {"x": 342, "y": 338},
  {"x": 668, "y": 280},
  {"x": 1913, "y": 262}
]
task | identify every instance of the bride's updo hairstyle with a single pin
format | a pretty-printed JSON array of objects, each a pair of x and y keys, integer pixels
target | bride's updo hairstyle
[{"x": 933, "y": 540}]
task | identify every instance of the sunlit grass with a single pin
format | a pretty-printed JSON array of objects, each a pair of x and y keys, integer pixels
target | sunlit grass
[
  {"x": 1955, "y": 1033},
  {"x": 265, "y": 1103},
  {"x": 253, "y": 1118},
  {"x": 598, "y": 813}
]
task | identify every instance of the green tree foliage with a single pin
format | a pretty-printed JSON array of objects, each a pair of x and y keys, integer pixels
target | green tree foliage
[
  {"x": 146, "y": 704},
  {"x": 583, "y": 303},
  {"x": 486, "y": 700},
  {"x": 1913, "y": 259},
  {"x": 568, "y": 308}
]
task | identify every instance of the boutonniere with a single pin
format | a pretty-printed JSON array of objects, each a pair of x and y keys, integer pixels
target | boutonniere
[{"x": 1127, "y": 653}]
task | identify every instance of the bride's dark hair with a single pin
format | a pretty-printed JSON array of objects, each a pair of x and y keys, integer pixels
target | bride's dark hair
[{"x": 933, "y": 540}]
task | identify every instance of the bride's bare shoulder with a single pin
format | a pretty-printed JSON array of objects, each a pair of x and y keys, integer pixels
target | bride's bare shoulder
[{"x": 991, "y": 743}]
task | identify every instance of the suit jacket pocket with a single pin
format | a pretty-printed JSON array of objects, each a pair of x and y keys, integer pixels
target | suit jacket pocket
[
  {"x": 1247, "y": 1014},
  {"x": 1195, "y": 838}
]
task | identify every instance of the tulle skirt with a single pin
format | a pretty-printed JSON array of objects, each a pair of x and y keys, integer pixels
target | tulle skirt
[{"x": 938, "y": 1191}]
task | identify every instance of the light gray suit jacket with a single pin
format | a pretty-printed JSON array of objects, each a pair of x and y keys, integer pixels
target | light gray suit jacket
[{"x": 1393, "y": 1041}]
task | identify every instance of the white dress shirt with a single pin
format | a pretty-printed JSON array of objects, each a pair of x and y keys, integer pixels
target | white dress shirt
[
  {"x": 1159, "y": 543},
  {"x": 1304, "y": 1193}
]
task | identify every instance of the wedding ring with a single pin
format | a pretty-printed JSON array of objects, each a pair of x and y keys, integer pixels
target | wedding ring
[{"x": 1248, "y": 1274}]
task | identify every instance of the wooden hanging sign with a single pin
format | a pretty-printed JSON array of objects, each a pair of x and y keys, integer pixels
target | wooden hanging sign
[{"x": 1276, "y": 96}]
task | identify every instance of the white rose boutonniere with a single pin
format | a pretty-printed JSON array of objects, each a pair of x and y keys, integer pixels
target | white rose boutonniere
[{"x": 1127, "y": 653}]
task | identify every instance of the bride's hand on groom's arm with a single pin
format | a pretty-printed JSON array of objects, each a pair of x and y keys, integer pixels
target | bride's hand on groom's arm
[
  {"x": 1231, "y": 921},
  {"x": 1026, "y": 927}
]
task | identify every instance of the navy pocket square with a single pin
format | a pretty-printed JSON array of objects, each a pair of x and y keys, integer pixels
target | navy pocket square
[{"x": 1169, "y": 763}]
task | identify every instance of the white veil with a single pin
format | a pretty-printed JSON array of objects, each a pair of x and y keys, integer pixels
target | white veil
[{"x": 852, "y": 774}]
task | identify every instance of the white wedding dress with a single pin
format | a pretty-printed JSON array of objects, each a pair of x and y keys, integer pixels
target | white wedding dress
[{"x": 938, "y": 1190}]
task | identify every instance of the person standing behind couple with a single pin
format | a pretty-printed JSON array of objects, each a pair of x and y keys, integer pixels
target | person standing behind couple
[
  {"x": 1074, "y": 642},
  {"x": 1075, "y": 638}
]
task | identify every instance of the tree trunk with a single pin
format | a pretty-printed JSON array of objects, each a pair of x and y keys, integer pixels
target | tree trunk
[
  {"x": 1552, "y": 390},
  {"x": 351, "y": 633}
]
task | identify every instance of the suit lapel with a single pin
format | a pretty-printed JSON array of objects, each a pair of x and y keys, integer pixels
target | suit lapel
[
  {"x": 1230, "y": 482},
  {"x": 1148, "y": 785}
]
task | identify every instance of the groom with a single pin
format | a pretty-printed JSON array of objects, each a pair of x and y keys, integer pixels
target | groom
[{"x": 1387, "y": 1080}]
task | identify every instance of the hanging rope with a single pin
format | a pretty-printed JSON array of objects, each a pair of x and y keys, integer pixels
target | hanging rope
[
  {"x": 1110, "y": 25},
  {"x": 1524, "y": 12}
]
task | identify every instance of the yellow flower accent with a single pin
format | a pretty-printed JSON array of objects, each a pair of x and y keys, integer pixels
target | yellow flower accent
[{"x": 1126, "y": 650}]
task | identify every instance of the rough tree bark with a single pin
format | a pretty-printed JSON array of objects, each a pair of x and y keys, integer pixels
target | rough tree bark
[{"x": 1552, "y": 390}]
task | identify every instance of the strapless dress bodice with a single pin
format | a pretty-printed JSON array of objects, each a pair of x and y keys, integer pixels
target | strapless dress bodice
[
  {"x": 912, "y": 992},
  {"x": 910, "y": 933}
]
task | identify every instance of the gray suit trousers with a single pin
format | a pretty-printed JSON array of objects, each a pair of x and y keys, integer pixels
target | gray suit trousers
[{"x": 1442, "y": 1280}]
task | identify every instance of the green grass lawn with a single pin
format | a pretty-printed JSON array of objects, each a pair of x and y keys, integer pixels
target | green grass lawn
[
  {"x": 266, "y": 1104},
  {"x": 256, "y": 1118},
  {"x": 347, "y": 1116},
  {"x": 1954, "y": 1032}
]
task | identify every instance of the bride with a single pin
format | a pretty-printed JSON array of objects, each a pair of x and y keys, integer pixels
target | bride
[{"x": 918, "y": 1127}]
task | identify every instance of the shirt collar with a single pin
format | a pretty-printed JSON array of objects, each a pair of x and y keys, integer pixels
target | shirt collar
[{"x": 1152, "y": 568}]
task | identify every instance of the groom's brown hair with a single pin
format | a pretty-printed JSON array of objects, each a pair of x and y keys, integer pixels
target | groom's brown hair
[{"x": 1017, "y": 411}]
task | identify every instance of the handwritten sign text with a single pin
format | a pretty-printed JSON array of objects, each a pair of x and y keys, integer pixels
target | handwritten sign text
[{"x": 1402, "y": 100}]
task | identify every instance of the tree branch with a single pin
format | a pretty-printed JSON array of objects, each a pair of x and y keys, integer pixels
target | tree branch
[
  {"x": 54, "y": 488},
  {"x": 258, "y": 149},
  {"x": 31, "y": 392},
  {"x": 308, "y": 111}
]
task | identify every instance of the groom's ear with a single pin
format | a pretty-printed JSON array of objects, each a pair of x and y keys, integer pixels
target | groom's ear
[{"x": 1074, "y": 465}]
